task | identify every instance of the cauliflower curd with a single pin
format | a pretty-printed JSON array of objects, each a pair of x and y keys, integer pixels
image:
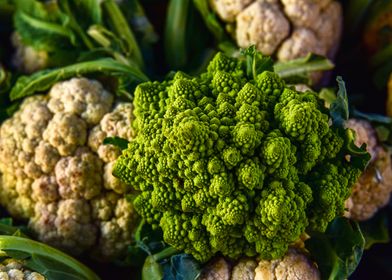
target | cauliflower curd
[
  {"x": 56, "y": 172},
  {"x": 287, "y": 28}
]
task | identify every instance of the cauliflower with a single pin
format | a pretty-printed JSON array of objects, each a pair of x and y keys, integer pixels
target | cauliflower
[
  {"x": 27, "y": 59},
  {"x": 11, "y": 269},
  {"x": 57, "y": 172},
  {"x": 373, "y": 189},
  {"x": 293, "y": 266},
  {"x": 288, "y": 29},
  {"x": 216, "y": 269}
]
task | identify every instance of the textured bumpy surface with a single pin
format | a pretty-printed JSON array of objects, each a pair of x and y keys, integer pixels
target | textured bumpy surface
[
  {"x": 287, "y": 28},
  {"x": 234, "y": 165},
  {"x": 14, "y": 270},
  {"x": 373, "y": 189},
  {"x": 56, "y": 172}
]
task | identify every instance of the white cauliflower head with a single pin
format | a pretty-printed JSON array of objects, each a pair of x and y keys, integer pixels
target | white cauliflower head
[
  {"x": 287, "y": 29},
  {"x": 293, "y": 266},
  {"x": 373, "y": 189},
  {"x": 56, "y": 171}
]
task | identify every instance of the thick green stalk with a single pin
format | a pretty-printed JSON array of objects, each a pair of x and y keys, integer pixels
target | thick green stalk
[
  {"x": 175, "y": 33},
  {"x": 123, "y": 30}
]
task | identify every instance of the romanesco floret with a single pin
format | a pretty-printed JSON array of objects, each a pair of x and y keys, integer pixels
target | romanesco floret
[{"x": 231, "y": 164}]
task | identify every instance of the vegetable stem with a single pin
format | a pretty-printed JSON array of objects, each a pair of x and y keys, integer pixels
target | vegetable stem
[{"x": 123, "y": 30}]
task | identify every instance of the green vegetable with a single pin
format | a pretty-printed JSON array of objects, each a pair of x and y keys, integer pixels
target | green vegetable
[
  {"x": 339, "y": 250},
  {"x": 69, "y": 30},
  {"x": 224, "y": 156}
]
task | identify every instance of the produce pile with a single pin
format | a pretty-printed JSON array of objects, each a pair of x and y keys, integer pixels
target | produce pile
[{"x": 195, "y": 139}]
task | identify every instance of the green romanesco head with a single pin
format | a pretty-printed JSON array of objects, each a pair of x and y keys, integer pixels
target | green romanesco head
[{"x": 231, "y": 164}]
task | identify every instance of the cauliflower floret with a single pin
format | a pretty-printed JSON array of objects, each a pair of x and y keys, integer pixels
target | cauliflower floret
[
  {"x": 293, "y": 266},
  {"x": 217, "y": 269},
  {"x": 65, "y": 132},
  {"x": 244, "y": 269},
  {"x": 301, "y": 42},
  {"x": 65, "y": 224},
  {"x": 81, "y": 97},
  {"x": 228, "y": 9},
  {"x": 116, "y": 123},
  {"x": 304, "y": 12},
  {"x": 27, "y": 59},
  {"x": 373, "y": 189},
  {"x": 11, "y": 269},
  {"x": 55, "y": 168},
  {"x": 262, "y": 24},
  {"x": 80, "y": 175}
]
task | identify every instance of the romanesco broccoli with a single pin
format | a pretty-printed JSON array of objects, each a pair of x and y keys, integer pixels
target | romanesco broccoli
[{"x": 231, "y": 164}]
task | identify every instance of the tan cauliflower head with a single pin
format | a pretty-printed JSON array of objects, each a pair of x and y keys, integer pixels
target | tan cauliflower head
[
  {"x": 287, "y": 28},
  {"x": 57, "y": 172},
  {"x": 293, "y": 266},
  {"x": 373, "y": 189}
]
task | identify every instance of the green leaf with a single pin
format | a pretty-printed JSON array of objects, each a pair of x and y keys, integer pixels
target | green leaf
[
  {"x": 339, "y": 109},
  {"x": 328, "y": 95},
  {"x": 116, "y": 141},
  {"x": 359, "y": 157},
  {"x": 43, "y": 80},
  {"x": 338, "y": 251},
  {"x": 256, "y": 63},
  {"x": 44, "y": 259},
  {"x": 301, "y": 68},
  {"x": 181, "y": 267},
  {"x": 375, "y": 230},
  {"x": 152, "y": 269}
]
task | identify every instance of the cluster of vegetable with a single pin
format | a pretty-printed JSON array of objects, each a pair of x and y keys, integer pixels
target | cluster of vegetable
[
  {"x": 233, "y": 168},
  {"x": 236, "y": 162}
]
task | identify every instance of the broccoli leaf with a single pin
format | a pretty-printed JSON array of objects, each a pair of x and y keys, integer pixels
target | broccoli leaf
[
  {"x": 40, "y": 81},
  {"x": 181, "y": 267},
  {"x": 256, "y": 63},
  {"x": 339, "y": 109},
  {"x": 375, "y": 230},
  {"x": 116, "y": 141},
  {"x": 339, "y": 250}
]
